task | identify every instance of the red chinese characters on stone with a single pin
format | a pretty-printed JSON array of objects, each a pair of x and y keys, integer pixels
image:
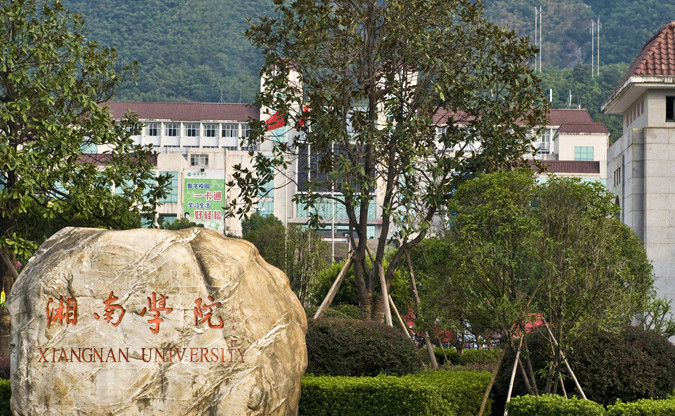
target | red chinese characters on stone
[
  {"x": 110, "y": 309},
  {"x": 203, "y": 313},
  {"x": 67, "y": 311},
  {"x": 156, "y": 306}
]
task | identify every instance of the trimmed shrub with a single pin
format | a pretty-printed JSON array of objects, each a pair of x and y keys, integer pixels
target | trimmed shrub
[
  {"x": 429, "y": 393},
  {"x": 348, "y": 347},
  {"x": 553, "y": 405},
  {"x": 644, "y": 407},
  {"x": 630, "y": 365},
  {"x": 450, "y": 353},
  {"x": 5, "y": 395},
  {"x": 470, "y": 357},
  {"x": 463, "y": 389}
]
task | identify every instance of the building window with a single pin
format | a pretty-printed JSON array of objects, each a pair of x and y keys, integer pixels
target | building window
[
  {"x": 245, "y": 130},
  {"x": 192, "y": 129},
  {"x": 153, "y": 129},
  {"x": 199, "y": 160},
  {"x": 210, "y": 130},
  {"x": 583, "y": 152},
  {"x": 545, "y": 142},
  {"x": 171, "y": 129},
  {"x": 230, "y": 130},
  {"x": 670, "y": 113}
]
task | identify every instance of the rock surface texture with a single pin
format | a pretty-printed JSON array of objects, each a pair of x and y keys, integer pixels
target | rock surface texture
[{"x": 154, "y": 322}]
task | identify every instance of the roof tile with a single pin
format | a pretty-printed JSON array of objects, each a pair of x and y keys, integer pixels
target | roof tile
[{"x": 184, "y": 111}]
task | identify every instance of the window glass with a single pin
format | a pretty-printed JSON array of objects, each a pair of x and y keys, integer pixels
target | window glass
[{"x": 583, "y": 153}]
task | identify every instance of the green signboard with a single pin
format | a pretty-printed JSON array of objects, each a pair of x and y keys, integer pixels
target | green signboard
[{"x": 203, "y": 199}]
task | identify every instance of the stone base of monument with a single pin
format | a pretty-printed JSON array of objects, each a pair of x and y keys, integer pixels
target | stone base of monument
[{"x": 154, "y": 322}]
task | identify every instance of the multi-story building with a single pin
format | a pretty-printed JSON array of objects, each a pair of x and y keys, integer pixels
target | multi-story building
[
  {"x": 199, "y": 144},
  {"x": 642, "y": 162}
]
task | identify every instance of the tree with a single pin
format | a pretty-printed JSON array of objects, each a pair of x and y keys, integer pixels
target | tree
[
  {"x": 299, "y": 251},
  {"x": 51, "y": 84},
  {"x": 407, "y": 99},
  {"x": 480, "y": 274},
  {"x": 516, "y": 248}
]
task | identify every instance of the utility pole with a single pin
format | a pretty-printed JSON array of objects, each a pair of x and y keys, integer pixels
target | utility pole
[
  {"x": 538, "y": 15},
  {"x": 595, "y": 47}
]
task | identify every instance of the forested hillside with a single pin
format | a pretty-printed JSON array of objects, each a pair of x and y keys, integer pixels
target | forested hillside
[{"x": 195, "y": 50}]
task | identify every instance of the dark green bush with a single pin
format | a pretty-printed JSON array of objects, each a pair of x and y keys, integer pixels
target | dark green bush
[
  {"x": 629, "y": 365},
  {"x": 5, "y": 395},
  {"x": 553, "y": 405},
  {"x": 429, "y": 393},
  {"x": 443, "y": 353},
  {"x": 348, "y": 347},
  {"x": 469, "y": 357},
  {"x": 644, "y": 407}
]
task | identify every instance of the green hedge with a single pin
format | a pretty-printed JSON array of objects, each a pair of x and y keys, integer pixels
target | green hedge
[
  {"x": 643, "y": 407},
  {"x": 427, "y": 393},
  {"x": 553, "y": 405},
  {"x": 468, "y": 356},
  {"x": 5, "y": 395}
]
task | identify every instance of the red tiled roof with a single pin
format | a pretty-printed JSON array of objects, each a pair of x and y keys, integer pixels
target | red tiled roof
[
  {"x": 576, "y": 128},
  {"x": 657, "y": 57},
  {"x": 558, "y": 117},
  {"x": 184, "y": 111},
  {"x": 572, "y": 166}
]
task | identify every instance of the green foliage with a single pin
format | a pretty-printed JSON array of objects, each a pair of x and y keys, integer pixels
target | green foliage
[
  {"x": 643, "y": 407},
  {"x": 179, "y": 224},
  {"x": 5, "y": 396},
  {"x": 426, "y": 393},
  {"x": 348, "y": 347},
  {"x": 187, "y": 51},
  {"x": 52, "y": 81},
  {"x": 657, "y": 317},
  {"x": 468, "y": 357},
  {"x": 515, "y": 247},
  {"x": 375, "y": 90},
  {"x": 297, "y": 250},
  {"x": 628, "y": 365},
  {"x": 553, "y": 405},
  {"x": 217, "y": 61},
  {"x": 348, "y": 293}
]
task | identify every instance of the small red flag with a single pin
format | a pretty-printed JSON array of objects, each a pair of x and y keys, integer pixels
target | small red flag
[{"x": 275, "y": 121}]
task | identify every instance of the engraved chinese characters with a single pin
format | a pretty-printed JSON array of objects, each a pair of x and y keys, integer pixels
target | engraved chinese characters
[{"x": 154, "y": 322}]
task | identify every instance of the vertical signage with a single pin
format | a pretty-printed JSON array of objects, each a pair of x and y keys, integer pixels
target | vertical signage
[{"x": 203, "y": 198}]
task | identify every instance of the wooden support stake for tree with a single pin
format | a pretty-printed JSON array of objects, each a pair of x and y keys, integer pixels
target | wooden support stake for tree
[
  {"x": 564, "y": 359},
  {"x": 398, "y": 317},
  {"x": 491, "y": 383},
  {"x": 416, "y": 296},
  {"x": 379, "y": 269},
  {"x": 334, "y": 289},
  {"x": 513, "y": 376}
]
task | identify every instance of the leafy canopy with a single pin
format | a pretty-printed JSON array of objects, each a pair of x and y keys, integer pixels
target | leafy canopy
[
  {"x": 52, "y": 81},
  {"x": 379, "y": 77}
]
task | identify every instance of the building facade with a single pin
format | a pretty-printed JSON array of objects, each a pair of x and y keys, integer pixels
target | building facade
[{"x": 641, "y": 163}]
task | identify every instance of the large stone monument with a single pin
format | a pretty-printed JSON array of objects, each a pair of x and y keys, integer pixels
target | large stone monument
[{"x": 154, "y": 322}]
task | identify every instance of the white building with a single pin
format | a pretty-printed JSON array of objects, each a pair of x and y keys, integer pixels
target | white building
[
  {"x": 642, "y": 162},
  {"x": 573, "y": 145}
]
